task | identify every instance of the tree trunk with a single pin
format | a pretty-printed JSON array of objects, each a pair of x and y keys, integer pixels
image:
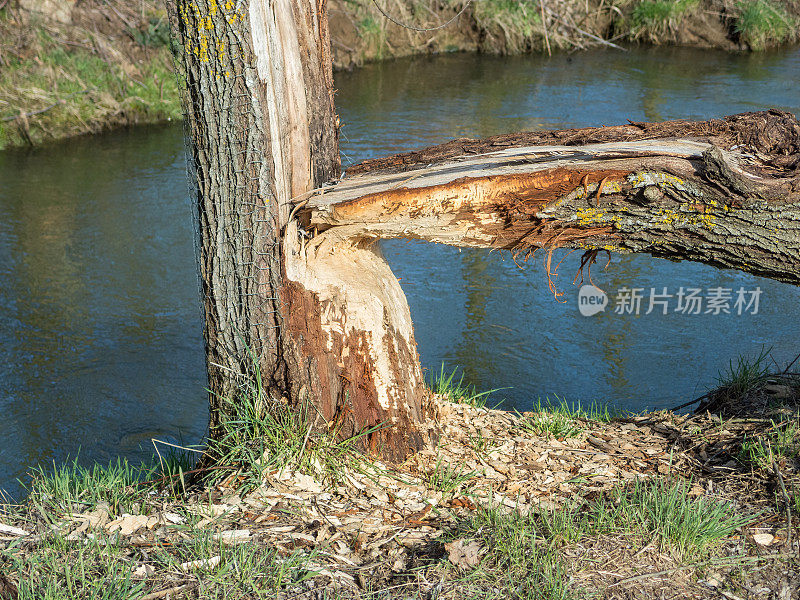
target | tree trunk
[
  {"x": 313, "y": 307},
  {"x": 726, "y": 193},
  {"x": 263, "y": 134}
]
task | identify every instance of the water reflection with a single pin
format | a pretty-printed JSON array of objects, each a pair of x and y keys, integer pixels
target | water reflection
[
  {"x": 500, "y": 323},
  {"x": 100, "y": 332}
]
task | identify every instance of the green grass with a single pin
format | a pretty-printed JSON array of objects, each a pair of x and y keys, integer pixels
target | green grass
[
  {"x": 155, "y": 34},
  {"x": 457, "y": 391},
  {"x": 518, "y": 564},
  {"x": 656, "y": 18},
  {"x": 259, "y": 434},
  {"x": 653, "y": 509},
  {"x": 761, "y": 23},
  {"x": 517, "y": 20},
  {"x": 82, "y": 92},
  {"x": 523, "y": 555},
  {"x": 780, "y": 442},
  {"x": 561, "y": 419},
  {"x": 481, "y": 445},
  {"x": 372, "y": 29},
  {"x": 447, "y": 478},
  {"x": 61, "y": 570},
  {"x": 100, "y": 569},
  {"x": 71, "y": 487},
  {"x": 745, "y": 375},
  {"x": 663, "y": 509}
]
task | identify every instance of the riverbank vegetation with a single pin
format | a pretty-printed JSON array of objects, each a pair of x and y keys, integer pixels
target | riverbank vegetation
[
  {"x": 104, "y": 63},
  {"x": 109, "y": 66},
  {"x": 501, "y": 505},
  {"x": 361, "y": 32}
]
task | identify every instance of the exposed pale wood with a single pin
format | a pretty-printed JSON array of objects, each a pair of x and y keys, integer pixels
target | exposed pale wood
[
  {"x": 263, "y": 133},
  {"x": 526, "y": 159}
]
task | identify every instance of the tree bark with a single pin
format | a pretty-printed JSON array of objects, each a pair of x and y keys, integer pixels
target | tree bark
[
  {"x": 721, "y": 192},
  {"x": 310, "y": 309},
  {"x": 263, "y": 134}
]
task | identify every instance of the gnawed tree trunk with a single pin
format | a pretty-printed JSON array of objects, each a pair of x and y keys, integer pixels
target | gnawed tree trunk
[
  {"x": 294, "y": 285},
  {"x": 722, "y": 192},
  {"x": 263, "y": 134}
]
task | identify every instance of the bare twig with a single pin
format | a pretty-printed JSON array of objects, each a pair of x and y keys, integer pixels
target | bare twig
[
  {"x": 46, "y": 108},
  {"x": 170, "y": 591},
  {"x": 586, "y": 33},
  {"x": 411, "y": 27},
  {"x": 787, "y": 501},
  {"x": 685, "y": 404},
  {"x": 791, "y": 364},
  {"x": 544, "y": 26}
]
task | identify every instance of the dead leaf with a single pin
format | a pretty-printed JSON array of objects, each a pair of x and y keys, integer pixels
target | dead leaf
[
  {"x": 143, "y": 572},
  {"x": 173, "y": 518},
  {"x": 763, "y": 539},
  {"x": 307, "y": 483},
  {"x": 462, "y": 554},
  {"x": 127, "y": 524}
]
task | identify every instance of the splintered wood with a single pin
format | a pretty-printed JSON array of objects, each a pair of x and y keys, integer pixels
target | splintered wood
[{"x": 724, "y": 192}]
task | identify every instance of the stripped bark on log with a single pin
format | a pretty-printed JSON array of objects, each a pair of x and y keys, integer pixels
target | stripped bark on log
[{"x": 729, "y": 199}]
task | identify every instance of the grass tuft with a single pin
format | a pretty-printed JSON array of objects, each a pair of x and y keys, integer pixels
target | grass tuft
[
  {"x": 447, "y": 478},
  {"x": 458, "y": 392},
  {"x": 561, "y": 419},
  {"x": 60, "y": 570},
  {"x": 655, "y": 508},
  {"x": 780, "y": 442},
  {"x": 519, "y": 561},
  {"x": 71, "y": 487},
  {"x": 523, "y": 556},
  {"x": 665, "y": 509},
  {"x": 518, "y": 20},
  {"x": 744, "y": 376},
  {"x": 656, "y": 19},
  {"x": 259, "y": 434},
  {"x": 761, "y": 23},
  {"x": 102, "y": 569}
]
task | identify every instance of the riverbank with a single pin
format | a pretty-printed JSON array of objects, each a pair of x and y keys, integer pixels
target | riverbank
[
  {"x": 96, "y": 67},
  {"x": 100, "y": 65},
  {"x": 560, "y": 502},
  {"x": 362, "y": 32}
]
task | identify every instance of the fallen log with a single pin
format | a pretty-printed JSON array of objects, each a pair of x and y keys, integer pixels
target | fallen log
[{"x": 724, "y": 192}]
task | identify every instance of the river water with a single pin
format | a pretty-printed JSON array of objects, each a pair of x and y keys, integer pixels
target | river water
[{"x": 100, "y": 329}]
